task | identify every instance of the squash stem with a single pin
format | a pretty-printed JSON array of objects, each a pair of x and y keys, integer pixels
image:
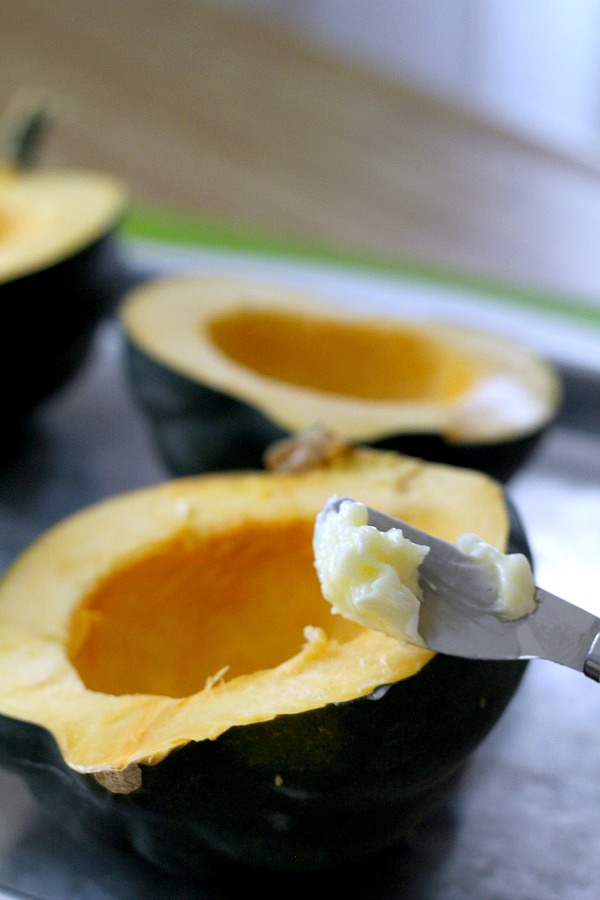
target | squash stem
[{"x": 22, "y": 128}]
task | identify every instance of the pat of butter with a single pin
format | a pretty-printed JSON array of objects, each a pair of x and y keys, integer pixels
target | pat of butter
[
  {"x": 371, "y": 576},
  {"x": 367, "y": 575}
]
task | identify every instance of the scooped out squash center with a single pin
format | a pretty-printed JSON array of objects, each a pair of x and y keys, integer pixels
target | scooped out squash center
[
  {"x": 199, "y": 607},
  {"x": 358, "y": 359}
]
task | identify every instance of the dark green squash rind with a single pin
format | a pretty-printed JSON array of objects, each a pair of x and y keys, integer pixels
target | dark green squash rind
[
  {"x": 501, "y": 459},
  {"x": 52, "y": 313},
  {"x": 195, "y": 428},
  {"x": 301, "y": 793}
]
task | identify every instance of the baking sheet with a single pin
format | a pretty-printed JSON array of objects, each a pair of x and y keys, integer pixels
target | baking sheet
[{"x": 522, "y": 823}]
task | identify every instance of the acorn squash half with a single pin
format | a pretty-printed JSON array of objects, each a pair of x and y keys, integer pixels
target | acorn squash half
[
  {"x": 171, "y": 676},
  {"x": 60, "y": 273},
  {"x": 60, "y": 266},
  {"x": 224, "y": 367}
]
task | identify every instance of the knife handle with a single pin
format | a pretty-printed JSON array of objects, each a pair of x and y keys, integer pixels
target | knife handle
[{"x": 591, "y": 667}]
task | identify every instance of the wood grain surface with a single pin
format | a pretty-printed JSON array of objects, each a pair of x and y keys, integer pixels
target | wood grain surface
[{"x": 213, "y": 114}]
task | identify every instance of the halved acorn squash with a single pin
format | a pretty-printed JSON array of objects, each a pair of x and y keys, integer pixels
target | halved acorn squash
[
  {"x": 224, "y": 367},
  {"x": 60, "y": 266},
  {"x": 171, "y": 676}
]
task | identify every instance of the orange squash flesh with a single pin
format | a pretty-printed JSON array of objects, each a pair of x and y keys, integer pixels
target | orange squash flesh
[
  {"x": 403, "y": 364},
  {"x": 195, "y": 609}
]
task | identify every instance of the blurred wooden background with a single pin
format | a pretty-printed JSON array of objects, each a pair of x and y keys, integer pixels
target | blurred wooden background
[{"x": 213, "y": 114}]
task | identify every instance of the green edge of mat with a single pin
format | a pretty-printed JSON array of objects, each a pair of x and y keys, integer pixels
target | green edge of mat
[{"x": 149, "y": 224}]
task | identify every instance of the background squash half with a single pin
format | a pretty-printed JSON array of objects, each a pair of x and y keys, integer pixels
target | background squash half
[
  {"x": 60, "y": 265},
  {"x": 60, "y": 271},
  {"x": 224, "y": 367},
  {"x": 171, "y": 677}
]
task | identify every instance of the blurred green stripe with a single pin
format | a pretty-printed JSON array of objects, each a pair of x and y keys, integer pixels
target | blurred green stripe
[{"x": 151, "y": 224}]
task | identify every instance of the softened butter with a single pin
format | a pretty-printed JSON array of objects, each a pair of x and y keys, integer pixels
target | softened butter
[{"x": 367, "y": 575}]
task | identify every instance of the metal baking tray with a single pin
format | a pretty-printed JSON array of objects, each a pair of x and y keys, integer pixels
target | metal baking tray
[{"x": 522, "y": 821}]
